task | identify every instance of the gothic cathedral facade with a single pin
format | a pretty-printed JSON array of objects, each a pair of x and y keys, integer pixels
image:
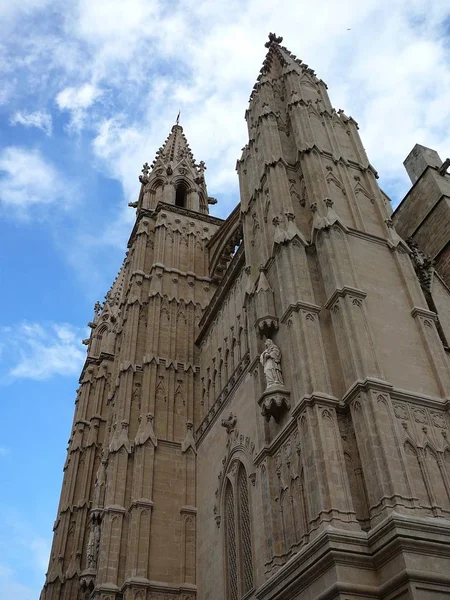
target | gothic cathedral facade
[{"x": 264, "y": 408}]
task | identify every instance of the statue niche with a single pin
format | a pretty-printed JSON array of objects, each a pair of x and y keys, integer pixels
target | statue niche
[
  {"x": 274, "y": 401},
  {"x": 271, "y": 361}
]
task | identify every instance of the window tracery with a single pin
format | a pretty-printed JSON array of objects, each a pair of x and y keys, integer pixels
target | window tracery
[
  {"x": 231, "y": 543},
  {"x": 238, "y": 536}
]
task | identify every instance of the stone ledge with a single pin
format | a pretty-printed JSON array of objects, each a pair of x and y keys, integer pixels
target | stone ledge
[
  {"x": 300, "y": 306},
  {"x": 342, "y": 292},
  {"x": 366, "y": 554},
  {"x": 274, "y": 401}
]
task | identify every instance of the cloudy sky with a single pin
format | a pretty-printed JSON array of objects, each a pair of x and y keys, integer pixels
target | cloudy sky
[{"x": 89, "y": 89}]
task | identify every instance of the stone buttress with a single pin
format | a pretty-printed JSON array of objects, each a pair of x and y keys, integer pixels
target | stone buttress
[
  {"x": 348, "y": 456},
  {"x": 127, "y": 518}
]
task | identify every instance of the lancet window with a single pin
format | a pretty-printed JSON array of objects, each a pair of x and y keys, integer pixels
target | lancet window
[
  {"x": 238, "y": 534},
  {"x": 181, "y": 195}
]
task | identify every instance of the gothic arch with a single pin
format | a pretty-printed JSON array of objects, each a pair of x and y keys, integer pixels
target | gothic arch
[
  {"x": 182, "y": 180},
  {"x": 99, "y": 338},
  {"x": 237, "y": 531},
  {"x": 415, "y": 473},
  {"x": 156, "y": 183}
]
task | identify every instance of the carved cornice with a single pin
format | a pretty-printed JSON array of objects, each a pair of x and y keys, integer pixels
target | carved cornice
[
  {"x": 178, "y": 272},
  {"x": 370, "y": 383},
  {"x": 188, "y": 510},
  {"x": 167, "y": 363},
  {"x": 418, "y": 311},
  {"x": 158, "y": 586},
  {"x": 395, "y": 534},
  {"x": 152, "y": 214},
  {"x": 142, "y": 503},
  {"x": 115, "y": 509},
  {"x": 342, "y": 292},
  {"x": 314, "y": 308}
]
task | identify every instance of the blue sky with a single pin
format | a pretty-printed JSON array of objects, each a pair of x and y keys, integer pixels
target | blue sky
[{"x": 88, "y": 92}]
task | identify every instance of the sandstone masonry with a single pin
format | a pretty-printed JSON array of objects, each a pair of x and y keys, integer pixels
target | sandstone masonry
[{"x": 208, "y": 463}]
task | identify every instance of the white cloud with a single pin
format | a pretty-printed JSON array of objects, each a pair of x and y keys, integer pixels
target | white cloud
[
  {"x": 76, "y": 100},
  {"x": 391, "y": 73},
  {"x": 27, "y": 178},
  {"x": 43, "y": 351},
  {"x": 386, "y": 63},
  {"x": 38, "y": 119}
]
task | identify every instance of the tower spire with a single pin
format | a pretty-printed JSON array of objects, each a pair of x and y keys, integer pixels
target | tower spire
[
  {"x": 273, "y": 39},
  {"x": 174, "y": 176}
]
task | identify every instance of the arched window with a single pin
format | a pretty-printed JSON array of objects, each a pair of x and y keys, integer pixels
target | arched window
[
  {"x": 231, "y": 543},
  {"x": 245, "y": 532},
  {"x": 101, "y": 333},
  {"x": 181, "y": 195},
  {"x": 238, "y": 536}
]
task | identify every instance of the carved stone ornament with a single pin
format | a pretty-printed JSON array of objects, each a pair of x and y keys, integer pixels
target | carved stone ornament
[
  {"x": 274, "y": 402},
  {"x": 273, "y": 39},
  {"x": 229, "y": 423},
  {"x": 271, "y": 361},
  {"x": 188, "y": 441},
  {"x": 275, "y": 399},
  {"x": 93, "y": 545},
  {"x": 423, "y": 264}
]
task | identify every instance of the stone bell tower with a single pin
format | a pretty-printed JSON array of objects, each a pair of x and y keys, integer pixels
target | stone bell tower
[
  {"x": 263, "y": 412},
  {"x": 328, "y": 444},
  {"x": 126, "y": 523}
]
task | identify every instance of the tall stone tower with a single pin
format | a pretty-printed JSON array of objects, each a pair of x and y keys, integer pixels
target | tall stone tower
[
  {"x": 127, "y": 514},
  {"x": 263, "y": 413}
]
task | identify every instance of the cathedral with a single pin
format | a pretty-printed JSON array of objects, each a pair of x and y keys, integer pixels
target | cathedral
[{"x": 264, "y": 408}]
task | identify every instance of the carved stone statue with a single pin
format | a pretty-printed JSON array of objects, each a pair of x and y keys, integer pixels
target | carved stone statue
[
  {"x": 93, "y": 547},
  {"x": 100, "y": 482},
  {"x": 271, "y": 361}
]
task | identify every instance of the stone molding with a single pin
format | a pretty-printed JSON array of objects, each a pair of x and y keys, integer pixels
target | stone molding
[
  {"x": 368, "y": 550},
  {"x": 152, "y": 214},
  {"x": 222, "y": 398},
  {"x": 418, "y": 311},
  {"x": 342, "y": 292},
  {"x": 274, "y": 402},
  {"x": 315, "y": 308}
]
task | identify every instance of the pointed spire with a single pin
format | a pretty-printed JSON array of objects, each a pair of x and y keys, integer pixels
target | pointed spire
[
  {"x": 175, "y": 148},
  {"x": 174, "y": 168},
  {"x": 284, "y": 56}
]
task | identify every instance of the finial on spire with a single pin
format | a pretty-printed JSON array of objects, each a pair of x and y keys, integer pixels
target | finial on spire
[
  {"x": 273, "y": 39},
  {"x": 178, "y": 117}
]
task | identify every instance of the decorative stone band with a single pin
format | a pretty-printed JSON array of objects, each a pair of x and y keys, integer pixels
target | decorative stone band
[
  {"x": 314, "y": 308},
  {"x": 274, "y": 401},
  {"x": 141, "y": 503},
  {"x": 417, "y": 311},
  {"x": 342, "y": 292},
  {"x": 188, "y": 510}
]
